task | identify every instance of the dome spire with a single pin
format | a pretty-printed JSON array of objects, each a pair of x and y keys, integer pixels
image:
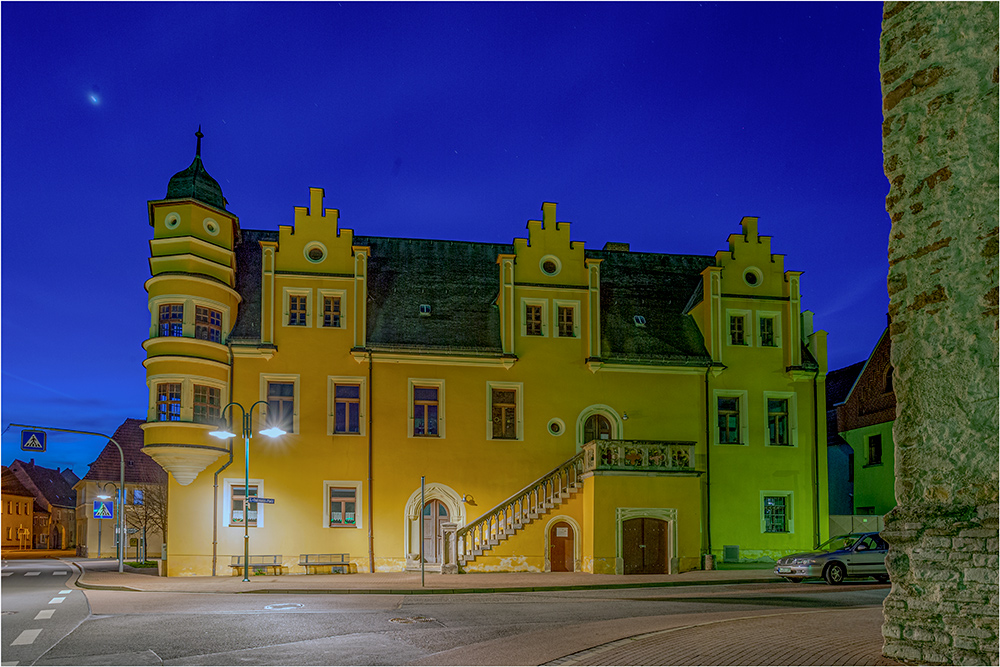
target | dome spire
[
  {"x": 197, "y": 150},
  {"x": 195, "y": 183}
]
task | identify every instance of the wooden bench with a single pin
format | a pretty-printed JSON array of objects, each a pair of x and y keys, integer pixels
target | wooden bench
[
  {"x": 258, "y": 564},
  {"x": 341, "y": 562}
]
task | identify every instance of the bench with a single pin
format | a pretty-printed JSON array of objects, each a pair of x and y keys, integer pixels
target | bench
[
  {"x": 258, "y": 564},
  {"x": 341, "y": 562}
]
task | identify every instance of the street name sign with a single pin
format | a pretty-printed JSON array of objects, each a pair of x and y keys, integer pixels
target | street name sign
[
  {"x": 32, "y": 441},
  {"x": 256, "y": 499},
  {"x": 104, "y": 509}
]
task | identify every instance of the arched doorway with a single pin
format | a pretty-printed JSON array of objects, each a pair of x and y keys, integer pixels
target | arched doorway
[
  {"x": 598, "y": 422},
  {"x": 645, "y": 546},
  {"x": 435, "y": 513},
  {"x": 561, "y": 551},
  {"x": 597, "y": 427}
]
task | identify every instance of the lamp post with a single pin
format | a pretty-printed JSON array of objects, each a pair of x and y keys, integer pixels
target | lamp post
[
  {"x": 272, "y": 432},
  {"x": 118, "y": 520},
  {"x": 100, "y": 523}
]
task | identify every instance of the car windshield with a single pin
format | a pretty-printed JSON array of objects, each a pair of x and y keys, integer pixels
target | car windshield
[{"x": 840, "y": 542}]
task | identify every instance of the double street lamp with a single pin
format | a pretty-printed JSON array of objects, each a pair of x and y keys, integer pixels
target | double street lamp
[{"x": 272, "y": 432}]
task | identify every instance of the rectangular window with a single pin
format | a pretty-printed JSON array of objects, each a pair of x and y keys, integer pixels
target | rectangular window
[
  {"x": 566, "y": 329},
  {"x": 775, "y": 517},
  {"x": 767, "y": 332},
  {"x": 168, "y": 402},
  {"x": 729, "y": 419},
  {"x": 504, "y": 407},
  {"x": 207, "y": 324},
  {"x": 297, "y": 310},
  {"x": 533, "y": 320},
  {"x": 343, "y": 504},
  {"x": 850, "y": 468},
  {"x": 346, "y": 408},
  {"x": 777, "y": 421},
  {"x": 207, "y": 404},
  {"x": 736, "y": 330},
  {"x": 425, "y": 411},
  {"x": 236, "y": 505},
  {"x": 281, "y": 405},
  {"x": 874, "y": 450},
  {"x": 137, "y": 496},
  {"x": 331, "y": 311},
  {"x": 172, "y": 319}
]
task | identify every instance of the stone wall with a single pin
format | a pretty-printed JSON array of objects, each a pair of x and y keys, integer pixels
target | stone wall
[{"x": 940, "y": 143}]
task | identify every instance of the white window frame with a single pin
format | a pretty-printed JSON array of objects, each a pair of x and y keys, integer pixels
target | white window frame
[
  {"x": 774, "y": 315},
  {"x": 187, "y": 383},
  {"x": 286, "y": 293},
  {"x": 741, "y": 394},
  {"x": 227, "y": 501},
  {"x": 793, "y": 421},
  {"x": 561, "y": 303},
  {"x": 748, "y": 334},
  {"x": 359, "y": 516},
  {"x": 544, "y": 303},
  {"x": 518, "y": 387},
  {"x": 265, "y": 378},
  {"x": 789, "y": 511},
  {"x": 331, "y": 382},
  {"x": 188, "y": 323},
  {"x": 321, "y": 295},
  {"x": 425, "y": 382}
]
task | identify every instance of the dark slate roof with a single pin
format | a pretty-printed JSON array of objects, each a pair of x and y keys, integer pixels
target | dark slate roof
[
  {"x": 248, "y": 276},
  {"x": 659, "y": 287},
  {"x": 10, "y": 485},
  {"x": 457, "y": 279},
  {"x": 52, "y": 485},
  {"x": 195, "y": 183},
  {"x": 139, "y": 467},
  {"x": 839, "y": 383}
]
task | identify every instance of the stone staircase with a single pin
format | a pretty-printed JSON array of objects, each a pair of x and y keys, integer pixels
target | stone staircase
[{"x": 510, "y": 516}]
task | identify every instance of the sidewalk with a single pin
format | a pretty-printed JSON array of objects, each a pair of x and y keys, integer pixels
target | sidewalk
[{"x": 790, "y": 636}]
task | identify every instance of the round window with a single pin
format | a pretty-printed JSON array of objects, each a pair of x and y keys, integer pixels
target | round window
[
  {"x": 550, "y": 265},
  {"x": 315, "y": 252},
  {"x": 557, "y": 427},
  {"x": 753, "y": 276},
  {"x": 172, "y": 220},
  {"x": 211, "y": 226}
]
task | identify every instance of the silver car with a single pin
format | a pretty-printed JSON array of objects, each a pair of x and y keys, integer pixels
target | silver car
[{"x": 856, "y": 555}]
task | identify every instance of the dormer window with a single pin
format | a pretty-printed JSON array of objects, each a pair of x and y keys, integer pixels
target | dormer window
[
  {"x": 639, "y": 320},
  {"x": 425, "y": 310}
]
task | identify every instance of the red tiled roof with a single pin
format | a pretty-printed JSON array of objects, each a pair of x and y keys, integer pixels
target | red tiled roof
[
  {"x": 55, "y": 487},
  {"x": 139, "y": 467}
]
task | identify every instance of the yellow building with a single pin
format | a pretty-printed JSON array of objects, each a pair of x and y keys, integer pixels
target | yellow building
[
  {"x": 596, "y": 410},
  {"x": 16, "y": 507}
]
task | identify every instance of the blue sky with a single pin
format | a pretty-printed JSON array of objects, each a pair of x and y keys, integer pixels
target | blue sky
[{"x": 656, "y": 124}]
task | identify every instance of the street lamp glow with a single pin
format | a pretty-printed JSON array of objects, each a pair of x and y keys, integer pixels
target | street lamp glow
[
  {"x": 222, "y": 434},
  {"x": 104, "y": 496},
  {"x": 272, "y": 432}
]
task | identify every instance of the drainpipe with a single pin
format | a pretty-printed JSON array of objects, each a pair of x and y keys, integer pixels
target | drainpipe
[
  {"x": 708, "y": 448},
  {"x": 371, "y": 515},
  {"x": 215, "y": 488},
  {"x": 816, "y": 531}
]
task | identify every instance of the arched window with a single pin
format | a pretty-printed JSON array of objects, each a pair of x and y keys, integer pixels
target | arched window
[
  {"x": 887, "y": 385},
  {"x": 597, "y": 427}
]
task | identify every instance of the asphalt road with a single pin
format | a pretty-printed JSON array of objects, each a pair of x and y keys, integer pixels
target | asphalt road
[
  {"x": 132, "y": 628},
  {"x": 39, "y": 608}
]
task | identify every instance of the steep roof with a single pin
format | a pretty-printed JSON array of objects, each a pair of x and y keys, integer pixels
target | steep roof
[
  {"x": 248, "y": 277},
  {"x": 10, "y": 485},
  {"x": 195, "y": 183},
  {"x": 839, "y": 383},
  {"x": 52, "y": 485},
  {"x": 139, "y": 467}
]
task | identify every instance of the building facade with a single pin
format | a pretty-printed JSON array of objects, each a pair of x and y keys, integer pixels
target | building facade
[
  {"x": 17, "y": 506},
  {"x": 54, "y": 510},
  {"x": 568, "y": 408}
]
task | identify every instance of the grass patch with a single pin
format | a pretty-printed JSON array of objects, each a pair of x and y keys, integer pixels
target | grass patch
[{"x": 143, "y": 564}]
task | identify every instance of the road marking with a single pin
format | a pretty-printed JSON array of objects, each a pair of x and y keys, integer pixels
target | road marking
[
  {"x": 56, "y": 600},
  {"x": 8, "y": 664},
  {"x": 32, "y": 574},
  {"x": 44, "y": 614},
  {"x": 27, "y": 637},
  {"x": 58, "y": 572},
  {"x": 5, "y": 574},
  {"x": 65, "y": 592}
]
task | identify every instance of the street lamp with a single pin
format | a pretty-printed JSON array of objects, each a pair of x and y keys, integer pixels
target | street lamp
[
  {"x": 119, "y": 521},
  {"x": 272, "y": 432}
]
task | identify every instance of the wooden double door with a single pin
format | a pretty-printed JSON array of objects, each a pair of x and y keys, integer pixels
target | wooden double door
[
  {"x": 435, "y": 513},
  {"x": 645, "y": 546},
  {"x": 561, "y": 549}
]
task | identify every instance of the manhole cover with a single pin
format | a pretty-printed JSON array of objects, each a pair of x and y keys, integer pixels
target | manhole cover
[
  {"x": 412, "y": 619},
  {"x": 283, "y": 605}
]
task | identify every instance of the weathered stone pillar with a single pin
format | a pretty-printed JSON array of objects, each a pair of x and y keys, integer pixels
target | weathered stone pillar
[
  {"x": 449, "y": 564},
  {"x": 940, "y": 144}
]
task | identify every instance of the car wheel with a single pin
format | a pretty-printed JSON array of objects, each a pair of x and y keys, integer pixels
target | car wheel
[
  {"x": 834, "y": 574},
  {"x": 882, "y": 578}
]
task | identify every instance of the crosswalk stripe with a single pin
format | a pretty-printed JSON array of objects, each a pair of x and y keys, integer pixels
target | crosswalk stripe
[
  {"x": 32, "y": 574},
  {"x": 58, "y": 572},
  {"x": 27, "y": 637},
  {"x": 56, "y": 600},
  {"x": 65, "y": 592},
  {"x": 44, "y": 614},
  {"x": 5, "y": 574}
]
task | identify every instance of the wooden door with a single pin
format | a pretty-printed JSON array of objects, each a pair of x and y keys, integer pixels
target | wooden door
[
  {"x": 644, "y": 546},
  {"x": 435, "y": 514},
  {"x": 561, "y": 548}
]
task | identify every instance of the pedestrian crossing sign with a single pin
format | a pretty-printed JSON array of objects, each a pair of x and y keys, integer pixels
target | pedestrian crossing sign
[
  {"x": 104, "y": 509},
  {"x": 32, "y": 441}
]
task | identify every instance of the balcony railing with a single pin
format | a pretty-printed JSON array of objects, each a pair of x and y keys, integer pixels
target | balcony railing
[{"x": 639, "y": 455}]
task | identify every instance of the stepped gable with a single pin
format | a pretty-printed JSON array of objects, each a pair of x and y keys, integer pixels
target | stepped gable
[
  {"x": 139, "y": 467},
  {"x": 459, "y": 280},
  {"x": 658, "y": 287}
]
